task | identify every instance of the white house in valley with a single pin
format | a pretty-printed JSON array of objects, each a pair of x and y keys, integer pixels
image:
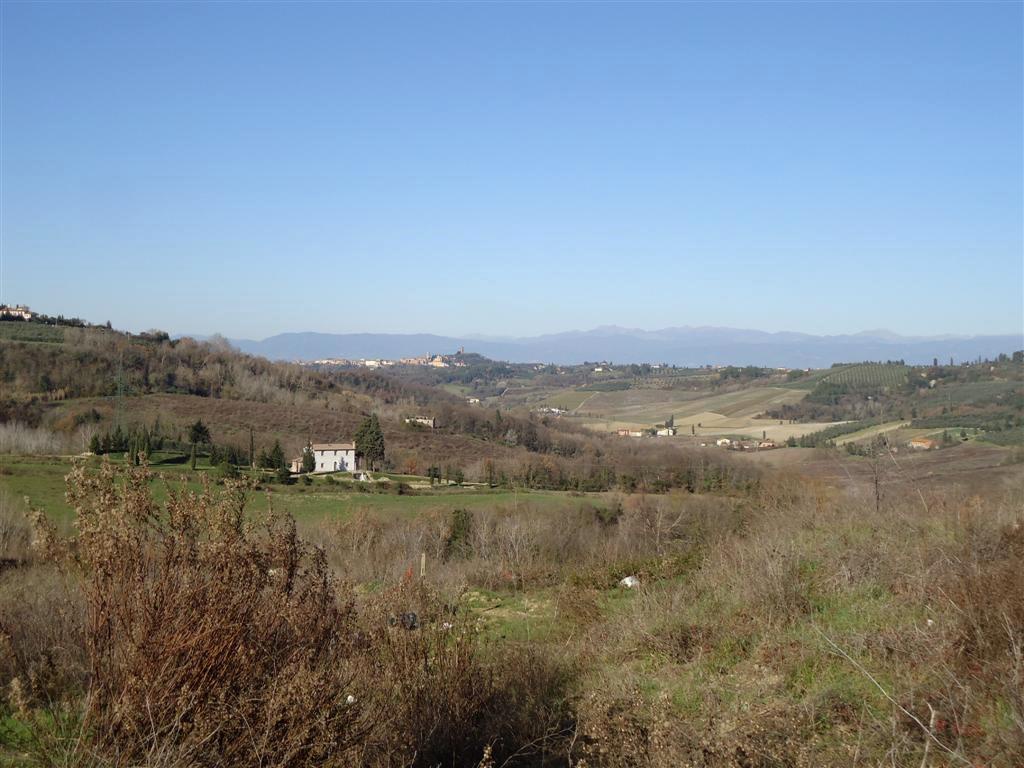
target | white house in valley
[
  {"x": 330, "y": 457},
  {"x": 335, "y": 457}
]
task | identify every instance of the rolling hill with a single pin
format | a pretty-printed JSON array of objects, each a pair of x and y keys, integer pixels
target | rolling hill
[{"x": 688, "y": 346}]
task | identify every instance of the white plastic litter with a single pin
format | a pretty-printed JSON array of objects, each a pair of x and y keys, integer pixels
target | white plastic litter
[{"x": 630, "y": 582}]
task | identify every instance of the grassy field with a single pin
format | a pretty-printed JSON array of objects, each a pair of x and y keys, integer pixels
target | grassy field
[
  {"x": 872, "y": 431},
  {"x": 729, "y": 644},
  {"x": 20, "y": 331},
  {"x": 649, "y": 406},
  {"x": 41, "y": 481},
  {"x": 732, "y": 413},
  {"x": 975, "y": 392},
  {"x": 568, "y": 399}
]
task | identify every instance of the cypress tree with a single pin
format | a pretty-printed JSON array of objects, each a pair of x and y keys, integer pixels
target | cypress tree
[{"x": 370, "y": 441}]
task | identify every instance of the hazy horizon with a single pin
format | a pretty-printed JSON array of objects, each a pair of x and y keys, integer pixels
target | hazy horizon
[
  {"x": 514, "y": 169},
  {"x": 874, "y": 332}
]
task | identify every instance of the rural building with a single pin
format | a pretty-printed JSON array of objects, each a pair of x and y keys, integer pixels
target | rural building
[
  {"x": 555, "y": 411},
  {"x": 424, "y": 421},
  {"x": 923, "y": 444},
  {"x": 630, "y": 433},
  {"x": 723, "y": 442},
  {"x": 473, "y": 400},
  {"x": 19, "y": 312},
  {"x": 767, "y": 444},
  {"x": 335, "y": 457},
  {"x": 666, "y": 431},
  {"x": 330, "y": 457}
]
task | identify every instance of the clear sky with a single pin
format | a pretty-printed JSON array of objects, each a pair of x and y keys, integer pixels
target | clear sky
[{"x": 515, "y": 168}]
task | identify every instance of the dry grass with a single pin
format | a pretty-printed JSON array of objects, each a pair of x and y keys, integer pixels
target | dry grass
[
  {"x": 194, "y": 636},
  {"x": 826, "y": 632},
  {"x": 797, "y": 626},
  {"x": 523, "y": 547},
  {"x": 204, "y": 631}
]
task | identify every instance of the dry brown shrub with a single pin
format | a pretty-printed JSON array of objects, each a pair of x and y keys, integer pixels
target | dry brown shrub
[
  {"x": 627, "y": 731},
  {"x": 448, "y": 696},
  {"x": 577, "y": 606},
  {"x": 42, "y": 636},
  {"x": 15, "y": 533},
  {"x": 986, "y": 587},
  {"x": 764, "y": 573},
  {"x": 208, "y": 637}
]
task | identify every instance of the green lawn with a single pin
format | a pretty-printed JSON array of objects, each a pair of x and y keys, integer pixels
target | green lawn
[{"x": 41, "y": 480}]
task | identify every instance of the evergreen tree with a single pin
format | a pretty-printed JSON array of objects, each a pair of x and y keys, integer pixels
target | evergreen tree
[
  {"x": 276, "y": 457},
  {"x": 198, "y": 433},
  {"x": 370, "y": 442},
  {"x": 192, "y": 459},
  {"x": 308, "y": 460},
  {"x": 118, "y": 442}
]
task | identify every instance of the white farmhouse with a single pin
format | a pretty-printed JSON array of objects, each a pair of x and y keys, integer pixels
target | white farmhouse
[
  {"x": 424, "y": 421},
  {"x": 330, "y": 457}
]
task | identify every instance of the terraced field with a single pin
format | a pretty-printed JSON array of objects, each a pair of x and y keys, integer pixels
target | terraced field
[
  {"x": 857, "y": 375},
  {"x": 648, "y": 406},
  {"x": 696, "y": 413},
  {"x": 866, "y": 375}
]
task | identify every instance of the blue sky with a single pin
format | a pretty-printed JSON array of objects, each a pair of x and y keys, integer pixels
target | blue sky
[{"x": 515, "y": 168}]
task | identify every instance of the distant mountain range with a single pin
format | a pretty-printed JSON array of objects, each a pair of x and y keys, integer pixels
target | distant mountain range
[{"x": 689, "y": 346}]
